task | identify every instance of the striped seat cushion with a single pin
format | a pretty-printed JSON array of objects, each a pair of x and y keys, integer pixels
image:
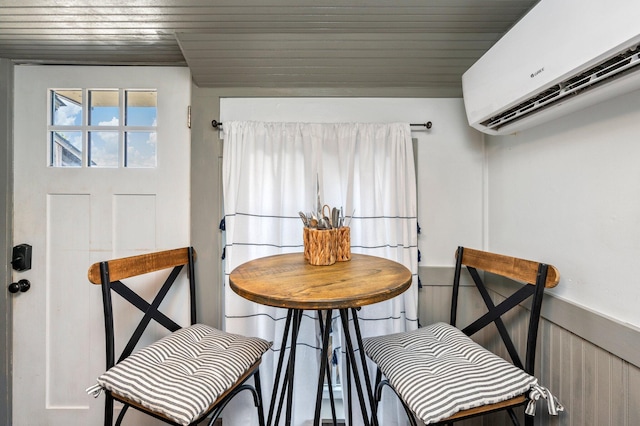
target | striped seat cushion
[
  {"x": 181, "y": 375},
  {"x": 438, "y": 370}
]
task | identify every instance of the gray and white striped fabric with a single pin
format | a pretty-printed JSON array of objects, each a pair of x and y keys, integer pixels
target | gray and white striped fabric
[
  {"x": 182, "y": 374},
  {"x": 438, "y": 371}
]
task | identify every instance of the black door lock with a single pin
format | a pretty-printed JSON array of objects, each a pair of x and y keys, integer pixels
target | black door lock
[{"x": 21, "y": 259}]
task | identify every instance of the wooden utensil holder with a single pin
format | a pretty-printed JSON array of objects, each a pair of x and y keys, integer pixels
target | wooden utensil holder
[
  {"x": 319, "y": 246},
  {"x": 343, "y": 244}
]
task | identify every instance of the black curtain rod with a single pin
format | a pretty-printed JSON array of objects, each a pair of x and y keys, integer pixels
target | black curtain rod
[{"x": 216, "y": 124}]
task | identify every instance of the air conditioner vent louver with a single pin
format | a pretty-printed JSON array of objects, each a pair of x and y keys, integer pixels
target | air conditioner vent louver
[{"x": 614, "y": 67}]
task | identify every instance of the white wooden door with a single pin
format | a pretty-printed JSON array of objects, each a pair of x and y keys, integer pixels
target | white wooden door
[{"x": 82, "y": 195}]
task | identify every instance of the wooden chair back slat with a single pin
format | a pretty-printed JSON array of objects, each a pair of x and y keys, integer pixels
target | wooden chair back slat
[
  {"x": 128, "y": 267},
  {"x": 510, "y": 267}
]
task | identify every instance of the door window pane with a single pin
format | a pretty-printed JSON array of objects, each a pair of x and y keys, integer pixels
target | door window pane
[
  {"x": 66, "y": 149},
  {"x": 141, "y": 108},
  {"x": 117, "y": 128},
  {"x": 141, "y": 149},
  {"x": 103, "y": 149},
  {"x": 66, "y": 106},
  {"x": 104, "y": 107}
]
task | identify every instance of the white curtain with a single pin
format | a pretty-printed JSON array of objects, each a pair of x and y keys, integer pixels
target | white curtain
[{"x": 270, "y": 172}]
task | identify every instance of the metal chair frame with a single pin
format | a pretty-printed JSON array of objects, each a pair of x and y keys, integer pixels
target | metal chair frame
[
  {"x": 537, "y": 276},
  {"x": 109, "y": 275}
]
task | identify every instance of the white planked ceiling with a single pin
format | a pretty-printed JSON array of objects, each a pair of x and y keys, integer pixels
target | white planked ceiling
[{"x": 268, "y": 43}]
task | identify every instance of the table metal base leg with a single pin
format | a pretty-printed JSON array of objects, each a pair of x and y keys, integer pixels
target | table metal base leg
[
  {"x": 349, "y": 394},
  {"x": 295, "y": 316},
  {"x": 283, "y": 347},
  {"x": 282, "y": 395},
  {"x": 324, "y": 367},
  {"x": 331, "y": 398},
  {"x": 363, "y": 360},
  {"x": 344, "y": 316},
  {"x": 328, "y": 369}
]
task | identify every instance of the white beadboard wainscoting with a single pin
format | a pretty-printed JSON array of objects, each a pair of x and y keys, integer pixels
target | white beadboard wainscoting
[{"x": 589, "y": 362}]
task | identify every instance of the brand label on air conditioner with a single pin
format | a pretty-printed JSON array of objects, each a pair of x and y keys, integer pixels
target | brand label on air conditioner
[{"x": 534, "y": 74}]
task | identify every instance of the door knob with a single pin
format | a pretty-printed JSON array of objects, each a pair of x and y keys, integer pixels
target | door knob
[{"x": 20, "y": 286}]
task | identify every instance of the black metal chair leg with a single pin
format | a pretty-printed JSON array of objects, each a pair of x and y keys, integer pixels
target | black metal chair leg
[
  {"x": 376, "y": 396},
  {"x": 121, "y": 415},
  {"x": 108, "y": 410},
  {"x": 528, "y": 420},
  {"x": 410, "y": 417},
  {"x": 513, "y": 417}
]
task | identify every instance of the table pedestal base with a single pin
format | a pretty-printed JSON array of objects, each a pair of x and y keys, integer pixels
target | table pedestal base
[{"x": 294, "y": 317}]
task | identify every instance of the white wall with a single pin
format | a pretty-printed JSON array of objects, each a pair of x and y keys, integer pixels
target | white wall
[
  {"x": 568, "y": 192},
  {"x": 450, "y": 158}
]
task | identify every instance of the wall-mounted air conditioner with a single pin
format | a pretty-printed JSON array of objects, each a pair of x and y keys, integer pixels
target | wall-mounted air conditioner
[{"x": 562, "y": 56}]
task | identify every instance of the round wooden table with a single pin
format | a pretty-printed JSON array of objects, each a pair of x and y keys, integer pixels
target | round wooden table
[{"x": 289, "y": 281}]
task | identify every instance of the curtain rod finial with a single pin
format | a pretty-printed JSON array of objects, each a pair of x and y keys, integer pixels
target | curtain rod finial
[{"x": 428, "y": 124}]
